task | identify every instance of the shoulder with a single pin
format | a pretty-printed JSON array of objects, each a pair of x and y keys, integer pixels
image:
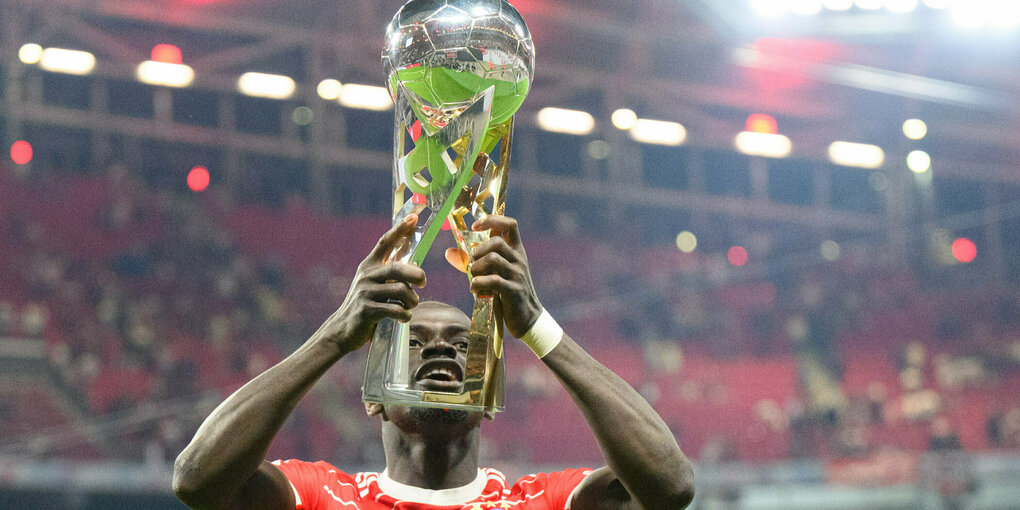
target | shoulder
[
  {"x": 320, "y": 468},
  {"x": 556, "y": 486},
  {"x": 315, "y": 481}
]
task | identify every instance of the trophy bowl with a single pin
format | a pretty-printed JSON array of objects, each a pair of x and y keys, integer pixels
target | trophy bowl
[{"x": 447, "y": 52}]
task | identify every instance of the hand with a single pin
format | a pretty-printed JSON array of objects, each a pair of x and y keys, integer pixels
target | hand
[
  {"x": 380, "y": 289},
  {"x": 499, "y": 268}
]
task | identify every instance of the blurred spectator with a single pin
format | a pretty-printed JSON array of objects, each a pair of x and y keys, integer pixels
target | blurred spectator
[
  {"x": 8, "y": 319},
  {"x": 943, "y": 436}
]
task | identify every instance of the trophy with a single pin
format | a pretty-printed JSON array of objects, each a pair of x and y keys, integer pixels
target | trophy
[{"x": 457, "y": 71}]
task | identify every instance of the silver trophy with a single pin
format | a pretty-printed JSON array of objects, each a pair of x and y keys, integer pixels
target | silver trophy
[{"x": 457, "y": 71}]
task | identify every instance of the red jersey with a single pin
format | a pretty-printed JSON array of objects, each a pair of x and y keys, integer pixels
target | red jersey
[{"x": 320, "y": 486}]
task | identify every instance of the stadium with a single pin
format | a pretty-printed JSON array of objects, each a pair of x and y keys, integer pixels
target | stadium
[{"x": 791, "y": 226}]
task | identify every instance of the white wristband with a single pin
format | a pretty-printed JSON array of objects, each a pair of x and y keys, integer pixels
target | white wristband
[{"x": 544, "y": 335}]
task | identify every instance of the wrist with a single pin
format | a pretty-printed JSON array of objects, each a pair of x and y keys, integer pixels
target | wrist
[
  {"x": 330, "y": 346},
  {"x": 544, "y": 335}
]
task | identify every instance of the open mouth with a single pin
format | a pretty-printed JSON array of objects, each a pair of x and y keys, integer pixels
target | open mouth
[{"x": 440, "y": 375}]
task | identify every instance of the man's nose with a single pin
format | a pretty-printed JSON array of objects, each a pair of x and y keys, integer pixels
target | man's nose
[{"x": 439, "y": 347}]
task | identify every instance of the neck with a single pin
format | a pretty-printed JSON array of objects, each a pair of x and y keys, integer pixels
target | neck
[{"x": 430, "y": 462}]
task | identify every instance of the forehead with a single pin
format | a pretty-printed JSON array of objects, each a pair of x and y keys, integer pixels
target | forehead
[{"x": 439, "y": 315}]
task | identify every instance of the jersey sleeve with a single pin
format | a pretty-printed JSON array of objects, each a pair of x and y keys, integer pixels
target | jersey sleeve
[
  {"x": 307, "y": 480},
  {"x": 552, "y": 489}
]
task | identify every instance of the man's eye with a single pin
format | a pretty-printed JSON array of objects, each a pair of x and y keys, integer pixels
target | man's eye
[
  {"x": 414, "y": 343},
  {"x": 461, "y": 345}
]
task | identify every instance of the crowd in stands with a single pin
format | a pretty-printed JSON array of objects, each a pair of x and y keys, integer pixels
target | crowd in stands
[{"x": 149, "y": 299}]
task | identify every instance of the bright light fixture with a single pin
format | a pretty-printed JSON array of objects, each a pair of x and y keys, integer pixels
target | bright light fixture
[
  {"x": 571, "y": 122},
  {"x": 938, "y": 4},
  {"x": 272, "y": 86},
  {"x": 1008, "y": 15},
  {"x": 624, "y": 118},
  {"x": 900, "y": 5},
  {"x": 806, "y": 7},
  {"x": 30, "y": 54},
  {"x": 329, "y": 89},
  {"x": 869, "y": 5},
  {"x": 365, "y": 97},
  {"x": 838, "y": 5},
  {"x": 771, "y": 8},
  {"x": 918, "y": 162},
  {"x": 763, "y": 144},
  {"x": 686, "y": 242},
  {"x": 60, "y": 60},
  {"x": 658, "y": 132},
  {"x": 164, "y": 74},
  {"x": 971, "y": 14},
  {"x": 915, "y": 129},
  {"x": 831, "y": 251},
  {"x": 856, "y": 154}
]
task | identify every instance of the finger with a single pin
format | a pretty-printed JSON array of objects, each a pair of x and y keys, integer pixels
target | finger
[
  {"x": 458, "y": 258},
  {"x": 496, "y": 245},
  {"x": 494, "y": 263},
  {"x": 394, "y": 292},
  {"x": 397, "y": 272},
  {"x": 390, "y": 310},
  {"x": 493, "y": 285},
  {"x": 500, "y": 225},
  {"x": 392, "y": 239}
]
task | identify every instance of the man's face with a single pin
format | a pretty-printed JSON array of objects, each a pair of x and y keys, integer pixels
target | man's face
[
  {"x": 436, "y": 360},
  {"x": 437, "y": 347}
]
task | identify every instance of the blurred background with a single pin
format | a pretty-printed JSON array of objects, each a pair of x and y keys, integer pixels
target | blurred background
[{"x": 793, "y": 225}]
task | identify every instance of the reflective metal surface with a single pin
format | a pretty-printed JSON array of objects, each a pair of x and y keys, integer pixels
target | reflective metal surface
[
  {"x": 457, "y": 70},
  {"x": 447, "y": 52}
]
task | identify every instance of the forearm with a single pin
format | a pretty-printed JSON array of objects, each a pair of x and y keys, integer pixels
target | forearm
[
  {"x": 231, "y": 444},
  {"x": 636, "y": 443}
]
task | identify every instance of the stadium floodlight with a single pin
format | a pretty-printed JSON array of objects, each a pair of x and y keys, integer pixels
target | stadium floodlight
[
  {"x": 918, "y": 162},
  {"x": 915, "y": 129},
  {"x": 1008, "y": 14},
  {"x": 971, "y": 15},
  {"x": 365, "y": 97},
  {"x": 166, "y": 75},
  {"x": 831, "y": 250},
  {"x": 271, "y": 86},
  {"x": 869, "y": 5},
  {"x": 771, "y": 8},
  {"x": 859, "y": 155},
  {"x": 658, "y": 132},
  {"x": 329, "y": 89},
  {"x": 806, "y": 7},
  {"x": 838, "y": 5},
  {"x": 571, "y": 122},
  {"x": 687, "y": 242},
  {"x": 30, "y": 53},
  {"x": 763, "y": 144},
  {"x": 624, "y": 118},
  {"x": 901, "y": 6},
  {"x": 60, "y": 60}
]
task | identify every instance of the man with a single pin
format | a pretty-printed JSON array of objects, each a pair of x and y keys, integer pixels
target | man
[{"x": 432, "y": 455}]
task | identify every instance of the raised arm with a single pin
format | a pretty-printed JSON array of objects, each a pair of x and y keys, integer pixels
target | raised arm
[
  {"x": 646, "y": 468},
  {"x": 223, "y": 468}
]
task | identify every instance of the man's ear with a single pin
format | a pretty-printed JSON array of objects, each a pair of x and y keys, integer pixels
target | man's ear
[{"x": 373, "y": 409}]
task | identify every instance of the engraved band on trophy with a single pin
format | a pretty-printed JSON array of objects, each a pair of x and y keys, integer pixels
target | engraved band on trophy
[{"x": 457, "y": 71}]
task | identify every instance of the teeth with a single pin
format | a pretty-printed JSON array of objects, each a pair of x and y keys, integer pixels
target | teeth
[{"x": 441, "y": 372}]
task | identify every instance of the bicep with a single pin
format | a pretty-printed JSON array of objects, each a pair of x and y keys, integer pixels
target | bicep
[
  {"x": 267, "y": 489},
  {"x": 602, "y": 490}
]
